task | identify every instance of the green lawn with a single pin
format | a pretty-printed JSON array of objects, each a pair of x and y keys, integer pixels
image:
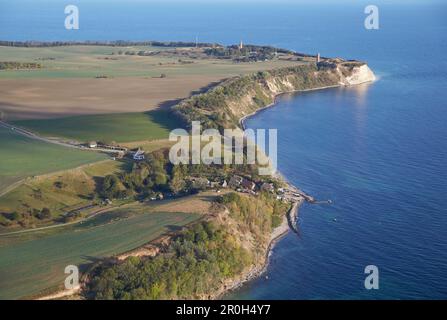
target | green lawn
[
  {"x": 121, "y": 127},
  {"x": 29, "y": 265},
  {"x": 22, "y": 157}
]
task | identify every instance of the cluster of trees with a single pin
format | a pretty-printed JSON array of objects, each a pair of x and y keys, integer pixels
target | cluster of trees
[
  {"x": 246, "y": 53},
  {"x": 13, "y": 65},
  {"x": 145, "y": 178},
  {"x": 193, "y": 266},
  {"x": 156, "y": 174},
  {"x": 259, "y": 215},
  {"x": 25, "y": 218}
]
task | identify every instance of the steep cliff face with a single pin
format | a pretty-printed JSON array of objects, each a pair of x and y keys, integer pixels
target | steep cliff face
[
  {"x": 224, "y": 105},
  {"x": 359, "y": 75}
]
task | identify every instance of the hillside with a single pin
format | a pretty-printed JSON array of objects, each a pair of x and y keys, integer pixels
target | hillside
[{"x": 223, "y": 106}]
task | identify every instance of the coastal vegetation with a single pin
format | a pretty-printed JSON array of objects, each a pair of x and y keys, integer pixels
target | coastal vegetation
[
  {"x": 156, "y": 175},
  {"x": 222, "y": 106}
]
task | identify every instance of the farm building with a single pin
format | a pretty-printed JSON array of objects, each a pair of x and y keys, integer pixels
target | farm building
[
  {"x": 139, "y": 155},
  {"x": 267, "y": 187},
  {"x": 235, "y": 181},
  {"x": 247, "y": 184}
]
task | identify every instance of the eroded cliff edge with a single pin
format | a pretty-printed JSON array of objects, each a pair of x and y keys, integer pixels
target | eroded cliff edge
[{"x": 224, "y": 105}]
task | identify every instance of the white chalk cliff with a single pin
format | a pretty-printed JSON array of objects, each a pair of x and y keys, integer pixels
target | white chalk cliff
[{"x": 359, "y": 75}]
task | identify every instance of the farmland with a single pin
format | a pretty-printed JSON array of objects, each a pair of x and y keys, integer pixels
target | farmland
[
  {"x": 91, "y": 61},
  {"x": 124, "y": 127},
  {"x": 68, "y": 83},
  {"x": 23, "y": 157},
  {"x": 29, "y": 265}
]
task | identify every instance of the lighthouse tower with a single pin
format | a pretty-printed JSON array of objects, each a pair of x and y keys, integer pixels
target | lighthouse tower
[
  {"x": 318, "y": 57},
  {"x": 241, "y": 45}
]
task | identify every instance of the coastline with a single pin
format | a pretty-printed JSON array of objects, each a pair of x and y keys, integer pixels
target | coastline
[
  {"x": 291, "y": 216},
  {"x": 276, "y": 234},
  {"x": 258, "y": 270},
  {"x": 244, "y": 118},
  {"x": 279, "y": 232}
]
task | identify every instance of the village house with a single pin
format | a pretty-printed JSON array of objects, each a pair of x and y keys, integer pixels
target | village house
[
  {"x": 247, "y": 184},
  {"x": 268, "y": 187},
  {"x": 139, "y": 155},
  {"x": 235, "y": 181},
  {"x": 214, "y": 184}
]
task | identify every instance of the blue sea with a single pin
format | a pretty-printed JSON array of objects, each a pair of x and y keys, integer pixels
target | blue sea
[{"x": 378, "y": 151}]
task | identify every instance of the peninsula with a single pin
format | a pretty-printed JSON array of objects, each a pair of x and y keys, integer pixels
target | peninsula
[{"x": 214, "y": 225}]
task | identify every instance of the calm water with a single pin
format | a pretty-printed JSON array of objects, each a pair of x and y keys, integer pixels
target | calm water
[{"x": 378, "y": 151}]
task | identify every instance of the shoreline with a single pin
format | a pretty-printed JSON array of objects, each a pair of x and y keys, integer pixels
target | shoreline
[
  {"x": 279, "y": 232},
  {"x": 291, "y": 216},
  {"x": 275, "y": 101},
  {"x": 258, "y": 270}
]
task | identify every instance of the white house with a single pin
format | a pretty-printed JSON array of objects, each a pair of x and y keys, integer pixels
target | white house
[{"x": 139, "y": 155}]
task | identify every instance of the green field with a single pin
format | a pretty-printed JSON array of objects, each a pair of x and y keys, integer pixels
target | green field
[
  {"x": 32, "y": 263},
  {"x": 22, "y": 157},
  {"x": 121, "y": 127}
]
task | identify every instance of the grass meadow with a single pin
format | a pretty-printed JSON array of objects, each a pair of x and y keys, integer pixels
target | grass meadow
[{"x": 30, "y": 264}]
